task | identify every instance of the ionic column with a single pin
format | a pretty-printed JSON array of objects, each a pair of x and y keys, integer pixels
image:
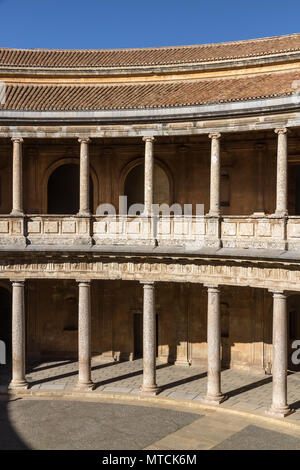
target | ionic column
[
  {"x": 213, "y": 394},
  {"x": 260, "y": 202},
  {"x": 149, "y": 340},
  {"x": 149, "y": 171},
  {"x": 17, "y": 179},
  {"x": 279, "y": 405},
  {"x": 282, "y": 173},
  {"x": 214, "y": 209},
  {"x": 18, "y": 336},
  {"x": 84, "y": 183},
  {"x": 84, "y": 336}
]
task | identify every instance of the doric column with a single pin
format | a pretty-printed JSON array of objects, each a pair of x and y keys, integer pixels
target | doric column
[
  {"x": 214, "y": 209},
  {"x": 213, "y": 394},
  {"x": 84, "y": 335},
  {"x": 84, "y": 185},
  {"x": 260, "y": 201},
  {"x": 279, "y": 405},
  {"x": 18, "y": 335},
  {"x": 17, "y": 177},
  {"x": 149, "y": 340},
  {"x": 149, "y": 172},
  {"x": 282, "y": 173}
]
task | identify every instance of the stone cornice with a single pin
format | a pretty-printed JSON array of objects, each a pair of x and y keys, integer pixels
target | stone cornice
[{"x": 86, "y": 124}]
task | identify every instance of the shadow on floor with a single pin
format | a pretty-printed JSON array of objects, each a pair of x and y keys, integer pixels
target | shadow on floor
[
  {"x": 9, "y": 438},
  {"x": 183, "y": 381},
  {"x": 247, "y": 388},
  {"x": 66, "y": 375}
]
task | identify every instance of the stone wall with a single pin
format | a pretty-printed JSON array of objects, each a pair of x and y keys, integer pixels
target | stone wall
[{"x": 181, "y": 308}]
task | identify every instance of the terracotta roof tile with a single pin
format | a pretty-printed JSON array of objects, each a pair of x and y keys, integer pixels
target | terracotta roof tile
[
  {"x": 148, "y": 95},
  {"x": 151, "y": 56}
]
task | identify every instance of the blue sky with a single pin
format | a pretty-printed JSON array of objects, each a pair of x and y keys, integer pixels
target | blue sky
[{"x": 97, "y": 24}]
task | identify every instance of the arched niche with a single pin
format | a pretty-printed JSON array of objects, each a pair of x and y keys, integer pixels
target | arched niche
[
  {"x": 132, "y": 183},
  {"x": 61, "y": 187}
]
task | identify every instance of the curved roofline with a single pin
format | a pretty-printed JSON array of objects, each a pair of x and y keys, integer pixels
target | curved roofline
[
  {"x": 279, "y": 48},
  {"x": 151, "y": 48}
]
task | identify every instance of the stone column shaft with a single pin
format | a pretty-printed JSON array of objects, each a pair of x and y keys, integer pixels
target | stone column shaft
[
  {"x": 149, "y": 340},
  {"x": 282, "y": 173},
  {"x": 279, "y": 405},
  {"x": 215, "y": 166},
  {"x": 17, "y": 177},
  {"x": 149, "y": 175},
  {"x": 18, "y": 336},
  {"x": 84, "y": 202},
  {"x": 84, "y": 335},
  {"x": 214, "y": 394}
]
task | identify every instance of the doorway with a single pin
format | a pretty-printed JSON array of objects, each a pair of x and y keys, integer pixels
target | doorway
[{"x": 138, "y": 335}]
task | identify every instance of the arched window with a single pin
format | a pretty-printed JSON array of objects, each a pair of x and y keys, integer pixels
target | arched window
[
  {"x": 134, "y": 185},
  {"x": 63, "y": 190}
]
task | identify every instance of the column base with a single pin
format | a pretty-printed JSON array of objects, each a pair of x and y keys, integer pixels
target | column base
[
  {"x": 17, "y": 213},
  {"x": 280, "y": 412},
  {"x": 152, "y": 390},
  {"x": 84, "y": 214},
  {"x": 85, "y": 386},
  {"x": 280, "y": 214},
  {"x": 18, "y": 384},
  {"x": 214, "y": 399}
]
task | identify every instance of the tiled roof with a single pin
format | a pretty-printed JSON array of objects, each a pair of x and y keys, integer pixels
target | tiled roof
[
  {"x": 149, "y": 95},
  {"x": 151, "y": 56}
]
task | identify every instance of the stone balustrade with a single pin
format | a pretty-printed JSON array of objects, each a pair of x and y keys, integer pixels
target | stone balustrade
[{"x": 191, "y": 232}]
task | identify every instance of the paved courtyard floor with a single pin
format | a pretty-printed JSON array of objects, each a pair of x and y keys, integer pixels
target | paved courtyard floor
[
  {"x": 245, "y": 390},
  {"x": 29, "y": 423}
]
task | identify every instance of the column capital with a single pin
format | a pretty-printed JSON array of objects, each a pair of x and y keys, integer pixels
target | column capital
[
  {"x": 147, "y": 284},
  {"x": 281, "y": 130},
  {"x": 84, "y": 140},
  {"x": 280, "y": 294},
  {"x": 17, "y": 140},
  {"x": 148, "y": 138},
  {"x": 15, "y": 282},
  {"x": 212, "y": 288},
  {"x": 214, "y": 135},
  {"x": 86, "y": 282}
]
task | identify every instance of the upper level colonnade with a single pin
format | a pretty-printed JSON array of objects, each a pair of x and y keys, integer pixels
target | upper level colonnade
[{"x": 213, "y": 229}]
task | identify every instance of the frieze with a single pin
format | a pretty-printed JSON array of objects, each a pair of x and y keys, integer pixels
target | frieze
[{"x": 240, "y": 273}]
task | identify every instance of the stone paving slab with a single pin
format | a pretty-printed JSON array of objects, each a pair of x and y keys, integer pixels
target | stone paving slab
[{"x": 245, "y": 390}]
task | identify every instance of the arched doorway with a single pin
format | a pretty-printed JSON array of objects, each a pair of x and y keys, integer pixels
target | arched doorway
[
  {"x": 134, "y": 185},
  {"x": 5, "y": 328},
  {"x": 63, "y": 190}
]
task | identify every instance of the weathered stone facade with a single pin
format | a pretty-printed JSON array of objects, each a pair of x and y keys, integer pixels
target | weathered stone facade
[{"x": 206, "y": 285}]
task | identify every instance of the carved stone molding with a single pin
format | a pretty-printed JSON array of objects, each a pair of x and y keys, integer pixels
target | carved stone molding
[{"x": 208, "y": 272}]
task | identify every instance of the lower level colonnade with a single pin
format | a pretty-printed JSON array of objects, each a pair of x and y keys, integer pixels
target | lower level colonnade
[{"x": 279, "y": 405}]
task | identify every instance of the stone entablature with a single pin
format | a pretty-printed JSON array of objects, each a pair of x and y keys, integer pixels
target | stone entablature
[
  {"x": 207, "y": 271},
  {"x": 190, "y": 232}
]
